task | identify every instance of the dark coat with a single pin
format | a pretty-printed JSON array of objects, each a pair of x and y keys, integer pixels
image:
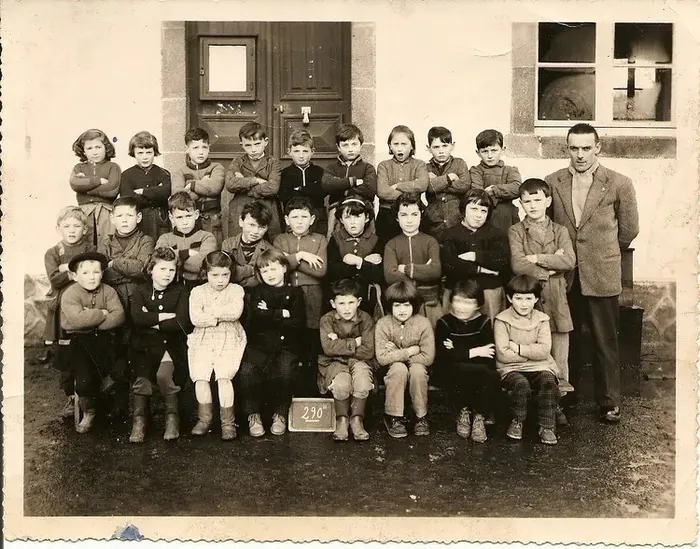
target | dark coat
[
  {"x": 153, "y": 201},
  {"x": 307, "y": 182},
  {"x": 149, "y": 343},
  {"x": 340, "y": 244},
  {"x": 340, "y": 180},
  {"x": 491, "y": 247},
  {"x": 444, "y": 196},
  {"x": 268, "y": 330}
]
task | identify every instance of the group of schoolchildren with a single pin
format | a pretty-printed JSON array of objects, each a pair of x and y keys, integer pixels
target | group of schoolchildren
[{"x": 262, "y": 278}]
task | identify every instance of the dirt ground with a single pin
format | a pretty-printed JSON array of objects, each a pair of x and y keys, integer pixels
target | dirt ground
[{"x": 596, "y": 470}]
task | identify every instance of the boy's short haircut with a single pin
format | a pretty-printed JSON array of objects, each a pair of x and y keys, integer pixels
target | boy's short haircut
[
  {"x": 489, "y": 138},
  {"x": 408, "y": 199},
  {"x": 164, "y": 253},
  {"x": 468, "y": 289},
  {"x": 71, "y": 212},
  {"x": 523, "y": 284},
  {"x": 144, "y": 140},
  {"x": 441, "y": 133},
  {"x": 271, "y": 255},
  {"x": 298, "y": 203},
  {"x": 583, "y": 129},
  {"x": 346, "y": 132},
  {"x": 129, "y": 201},
  {"x": 300, "y": 137},
  {"x": 402, "y": 129},
  {"x": 346, "y": 286},
  {"x": 403, "y": 291},
  {"x": 215, "y": 259},
  {"x": 251, "y": 130},
  {"x": 534, "y": 185},
  {"x": 196, "y": 134},
  {"x": 355, "y": 205},
  {"x": 259, "y": 211},
  {"x": 181, "y": 201},
  {"x": 476, "y": 196}
]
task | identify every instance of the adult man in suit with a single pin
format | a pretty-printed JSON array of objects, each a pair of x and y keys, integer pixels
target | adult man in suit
[{"x": 599, "y": 209}]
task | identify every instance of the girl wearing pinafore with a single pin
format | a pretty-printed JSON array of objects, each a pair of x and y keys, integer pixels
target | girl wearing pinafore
[
  {"x": 95, "y": 180},
  {"x": 217, "y": 342}
]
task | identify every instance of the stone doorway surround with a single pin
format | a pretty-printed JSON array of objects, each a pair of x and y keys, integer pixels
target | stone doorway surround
[{"x": 174, "y": 89}]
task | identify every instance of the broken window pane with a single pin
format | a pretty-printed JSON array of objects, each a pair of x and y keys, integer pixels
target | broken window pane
[{"x": 642, "y": 93}]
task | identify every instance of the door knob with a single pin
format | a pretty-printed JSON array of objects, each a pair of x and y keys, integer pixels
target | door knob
[
  {"x": 279, "y": 108},
  {"x": 305, "y": 111}
]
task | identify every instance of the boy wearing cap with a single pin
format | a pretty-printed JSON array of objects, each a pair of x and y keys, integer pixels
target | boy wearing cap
[{"x": 90, "y": 311}]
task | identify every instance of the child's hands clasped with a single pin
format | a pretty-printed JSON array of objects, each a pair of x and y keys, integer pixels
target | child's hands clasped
[{"x": 374, "y": 259}]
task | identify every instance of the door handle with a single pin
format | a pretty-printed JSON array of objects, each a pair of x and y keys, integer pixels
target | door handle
[
  {"x": 279, "y": 108},
  {"x": 305, "y": 111}
]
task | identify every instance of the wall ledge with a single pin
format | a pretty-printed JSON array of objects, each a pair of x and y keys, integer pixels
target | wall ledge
[{"x": 554, "y": 147}]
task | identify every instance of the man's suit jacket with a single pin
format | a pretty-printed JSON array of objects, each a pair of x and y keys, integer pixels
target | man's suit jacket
[{"x": 609, "y": 223}]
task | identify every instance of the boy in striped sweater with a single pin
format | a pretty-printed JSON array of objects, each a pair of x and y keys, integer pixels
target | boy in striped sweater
[{"x": 188, "y": 239}]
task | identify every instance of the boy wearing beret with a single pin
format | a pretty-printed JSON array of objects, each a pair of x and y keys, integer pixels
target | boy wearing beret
[{"x": 90, "y": 312}]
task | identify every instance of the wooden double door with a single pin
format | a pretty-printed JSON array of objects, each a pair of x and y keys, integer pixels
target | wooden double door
[{"x": 290, "y": 66}]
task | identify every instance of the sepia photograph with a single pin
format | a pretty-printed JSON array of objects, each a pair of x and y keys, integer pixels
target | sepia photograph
[{"x": 404, "y": 270}]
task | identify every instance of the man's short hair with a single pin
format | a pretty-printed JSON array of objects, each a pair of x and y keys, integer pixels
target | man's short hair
[{"x": 583, "y": 129}]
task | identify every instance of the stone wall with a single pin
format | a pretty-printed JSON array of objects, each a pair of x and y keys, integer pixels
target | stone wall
[{"x": 35, "y": 309}]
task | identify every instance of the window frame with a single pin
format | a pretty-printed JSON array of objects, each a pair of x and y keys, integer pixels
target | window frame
[
  {"x": 250, "y": 94},
  {"x": 604, "y": 67}
]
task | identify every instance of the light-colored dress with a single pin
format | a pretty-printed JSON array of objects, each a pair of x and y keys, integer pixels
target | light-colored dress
[{"x": 218, "y": 340}]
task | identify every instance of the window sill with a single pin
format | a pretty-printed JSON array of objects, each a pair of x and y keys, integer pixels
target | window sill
[{"x": 553, "y": 144}]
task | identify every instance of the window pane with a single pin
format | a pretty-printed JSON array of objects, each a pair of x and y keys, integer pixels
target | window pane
[
  {"x": 644, "y": 43},
  {"x": 566, "y": 94},
  {"x": 642, "y": 94},
  {"x": 227, "y": 69},
  {"x": 566, "y": 43}
]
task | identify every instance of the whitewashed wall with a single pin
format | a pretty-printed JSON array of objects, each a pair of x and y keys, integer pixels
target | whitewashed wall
[{"x": 76, "y": 65}]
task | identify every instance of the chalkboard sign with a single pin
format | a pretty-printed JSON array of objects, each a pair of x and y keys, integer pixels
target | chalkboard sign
[{"x": 314, "y": 415}]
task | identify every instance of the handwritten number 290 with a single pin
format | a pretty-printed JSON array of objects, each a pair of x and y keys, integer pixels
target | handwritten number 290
[{"x": 311, "y": 413}]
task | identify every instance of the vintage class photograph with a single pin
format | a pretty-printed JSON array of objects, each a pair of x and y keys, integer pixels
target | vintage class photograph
[{"x": 411, "y": 260}]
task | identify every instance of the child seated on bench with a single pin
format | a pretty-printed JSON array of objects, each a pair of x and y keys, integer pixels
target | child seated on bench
[{"x": 524, "y": 360}]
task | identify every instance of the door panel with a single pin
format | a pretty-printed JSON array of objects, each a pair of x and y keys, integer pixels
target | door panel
[
  {"x": 298, "y": 64},
  {"x": 313, "y": 61},
  {"x": 322, "y": 129},
  {"x": 221, "y": 118}
]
